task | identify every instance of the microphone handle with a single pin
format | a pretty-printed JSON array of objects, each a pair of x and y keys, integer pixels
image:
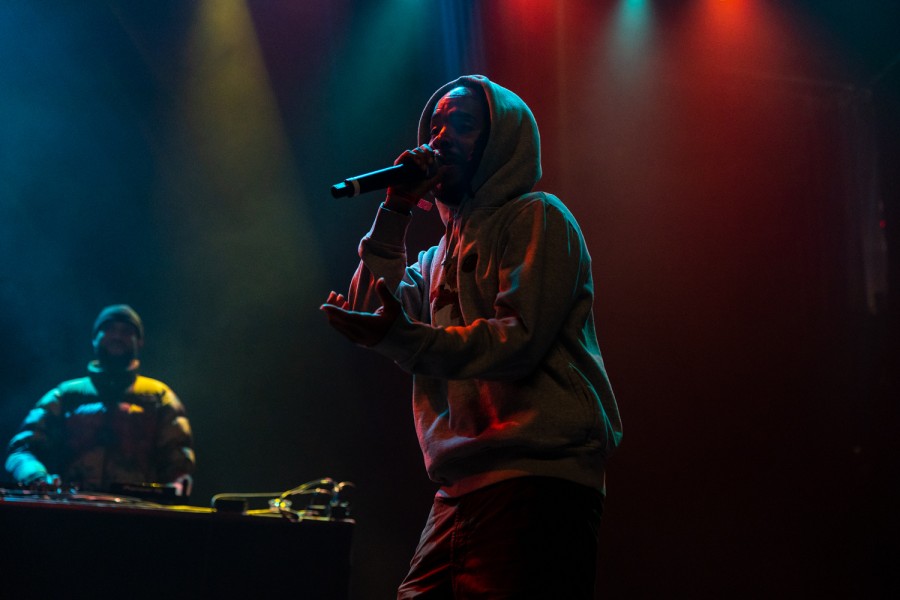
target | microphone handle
[{"x": 376, "y": 180}]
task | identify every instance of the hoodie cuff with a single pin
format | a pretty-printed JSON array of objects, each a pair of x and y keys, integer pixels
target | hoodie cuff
[
  {"x": 388, "y": 230},
  {"x": 390, "y": 223},
  {"x": 28, "y": 470}
]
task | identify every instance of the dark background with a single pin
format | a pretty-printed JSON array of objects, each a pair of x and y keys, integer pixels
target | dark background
[{"x": 733, "y": 165}]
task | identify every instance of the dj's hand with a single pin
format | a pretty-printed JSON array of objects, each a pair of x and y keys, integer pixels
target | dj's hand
[{"x": 43, "y": 483}]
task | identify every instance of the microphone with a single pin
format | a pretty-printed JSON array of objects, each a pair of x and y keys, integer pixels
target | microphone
[{"x": 378, "y": 180}]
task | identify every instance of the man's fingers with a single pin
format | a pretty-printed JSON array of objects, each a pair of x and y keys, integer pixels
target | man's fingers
[{"x": 336, "y": 299}]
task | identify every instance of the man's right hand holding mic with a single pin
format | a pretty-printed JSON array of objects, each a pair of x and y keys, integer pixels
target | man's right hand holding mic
[{"x": 403, "y": 196}]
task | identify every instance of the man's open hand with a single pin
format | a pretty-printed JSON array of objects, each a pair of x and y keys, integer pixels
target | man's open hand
[{"x": 363, "y": 328}]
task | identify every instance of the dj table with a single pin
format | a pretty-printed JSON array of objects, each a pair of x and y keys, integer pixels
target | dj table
[{"x": 106, "y": 548}]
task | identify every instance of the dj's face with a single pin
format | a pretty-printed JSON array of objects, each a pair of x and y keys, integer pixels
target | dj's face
[{"x": 118, "y": 341}]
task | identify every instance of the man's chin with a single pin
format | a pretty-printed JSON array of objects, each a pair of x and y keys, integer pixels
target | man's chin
[
  {"x": 450, "y": 193},
  {"x": 117, "y": 361}
]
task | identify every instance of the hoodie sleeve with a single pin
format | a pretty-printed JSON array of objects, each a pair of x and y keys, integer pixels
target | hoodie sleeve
[
  {"x": 544, "y": 269},
  {"x": 382, "y": 253},
  {"x": 35, "y": 440},
  {"x": 175, "y": 440}
]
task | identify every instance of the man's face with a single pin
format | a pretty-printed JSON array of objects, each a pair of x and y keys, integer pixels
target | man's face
[
  {"x": 117, "y": 342},
  {"x": 459, "y": 119}
]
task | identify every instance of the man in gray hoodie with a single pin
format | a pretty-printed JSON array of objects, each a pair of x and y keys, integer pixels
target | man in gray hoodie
[{"x": 513, "y": 408}]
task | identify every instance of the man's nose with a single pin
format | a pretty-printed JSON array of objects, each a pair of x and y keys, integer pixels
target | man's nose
[{"x": 441, "y": 140}]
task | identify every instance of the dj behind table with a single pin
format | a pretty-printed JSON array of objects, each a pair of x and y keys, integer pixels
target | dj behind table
[{"x": 79, "y": 545}]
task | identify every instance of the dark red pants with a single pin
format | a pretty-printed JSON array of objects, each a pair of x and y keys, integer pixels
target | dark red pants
[{"x": 530, "y": 537}]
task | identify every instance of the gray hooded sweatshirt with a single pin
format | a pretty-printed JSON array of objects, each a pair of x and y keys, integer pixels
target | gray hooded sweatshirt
[{"x": 498, "y": 327}]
